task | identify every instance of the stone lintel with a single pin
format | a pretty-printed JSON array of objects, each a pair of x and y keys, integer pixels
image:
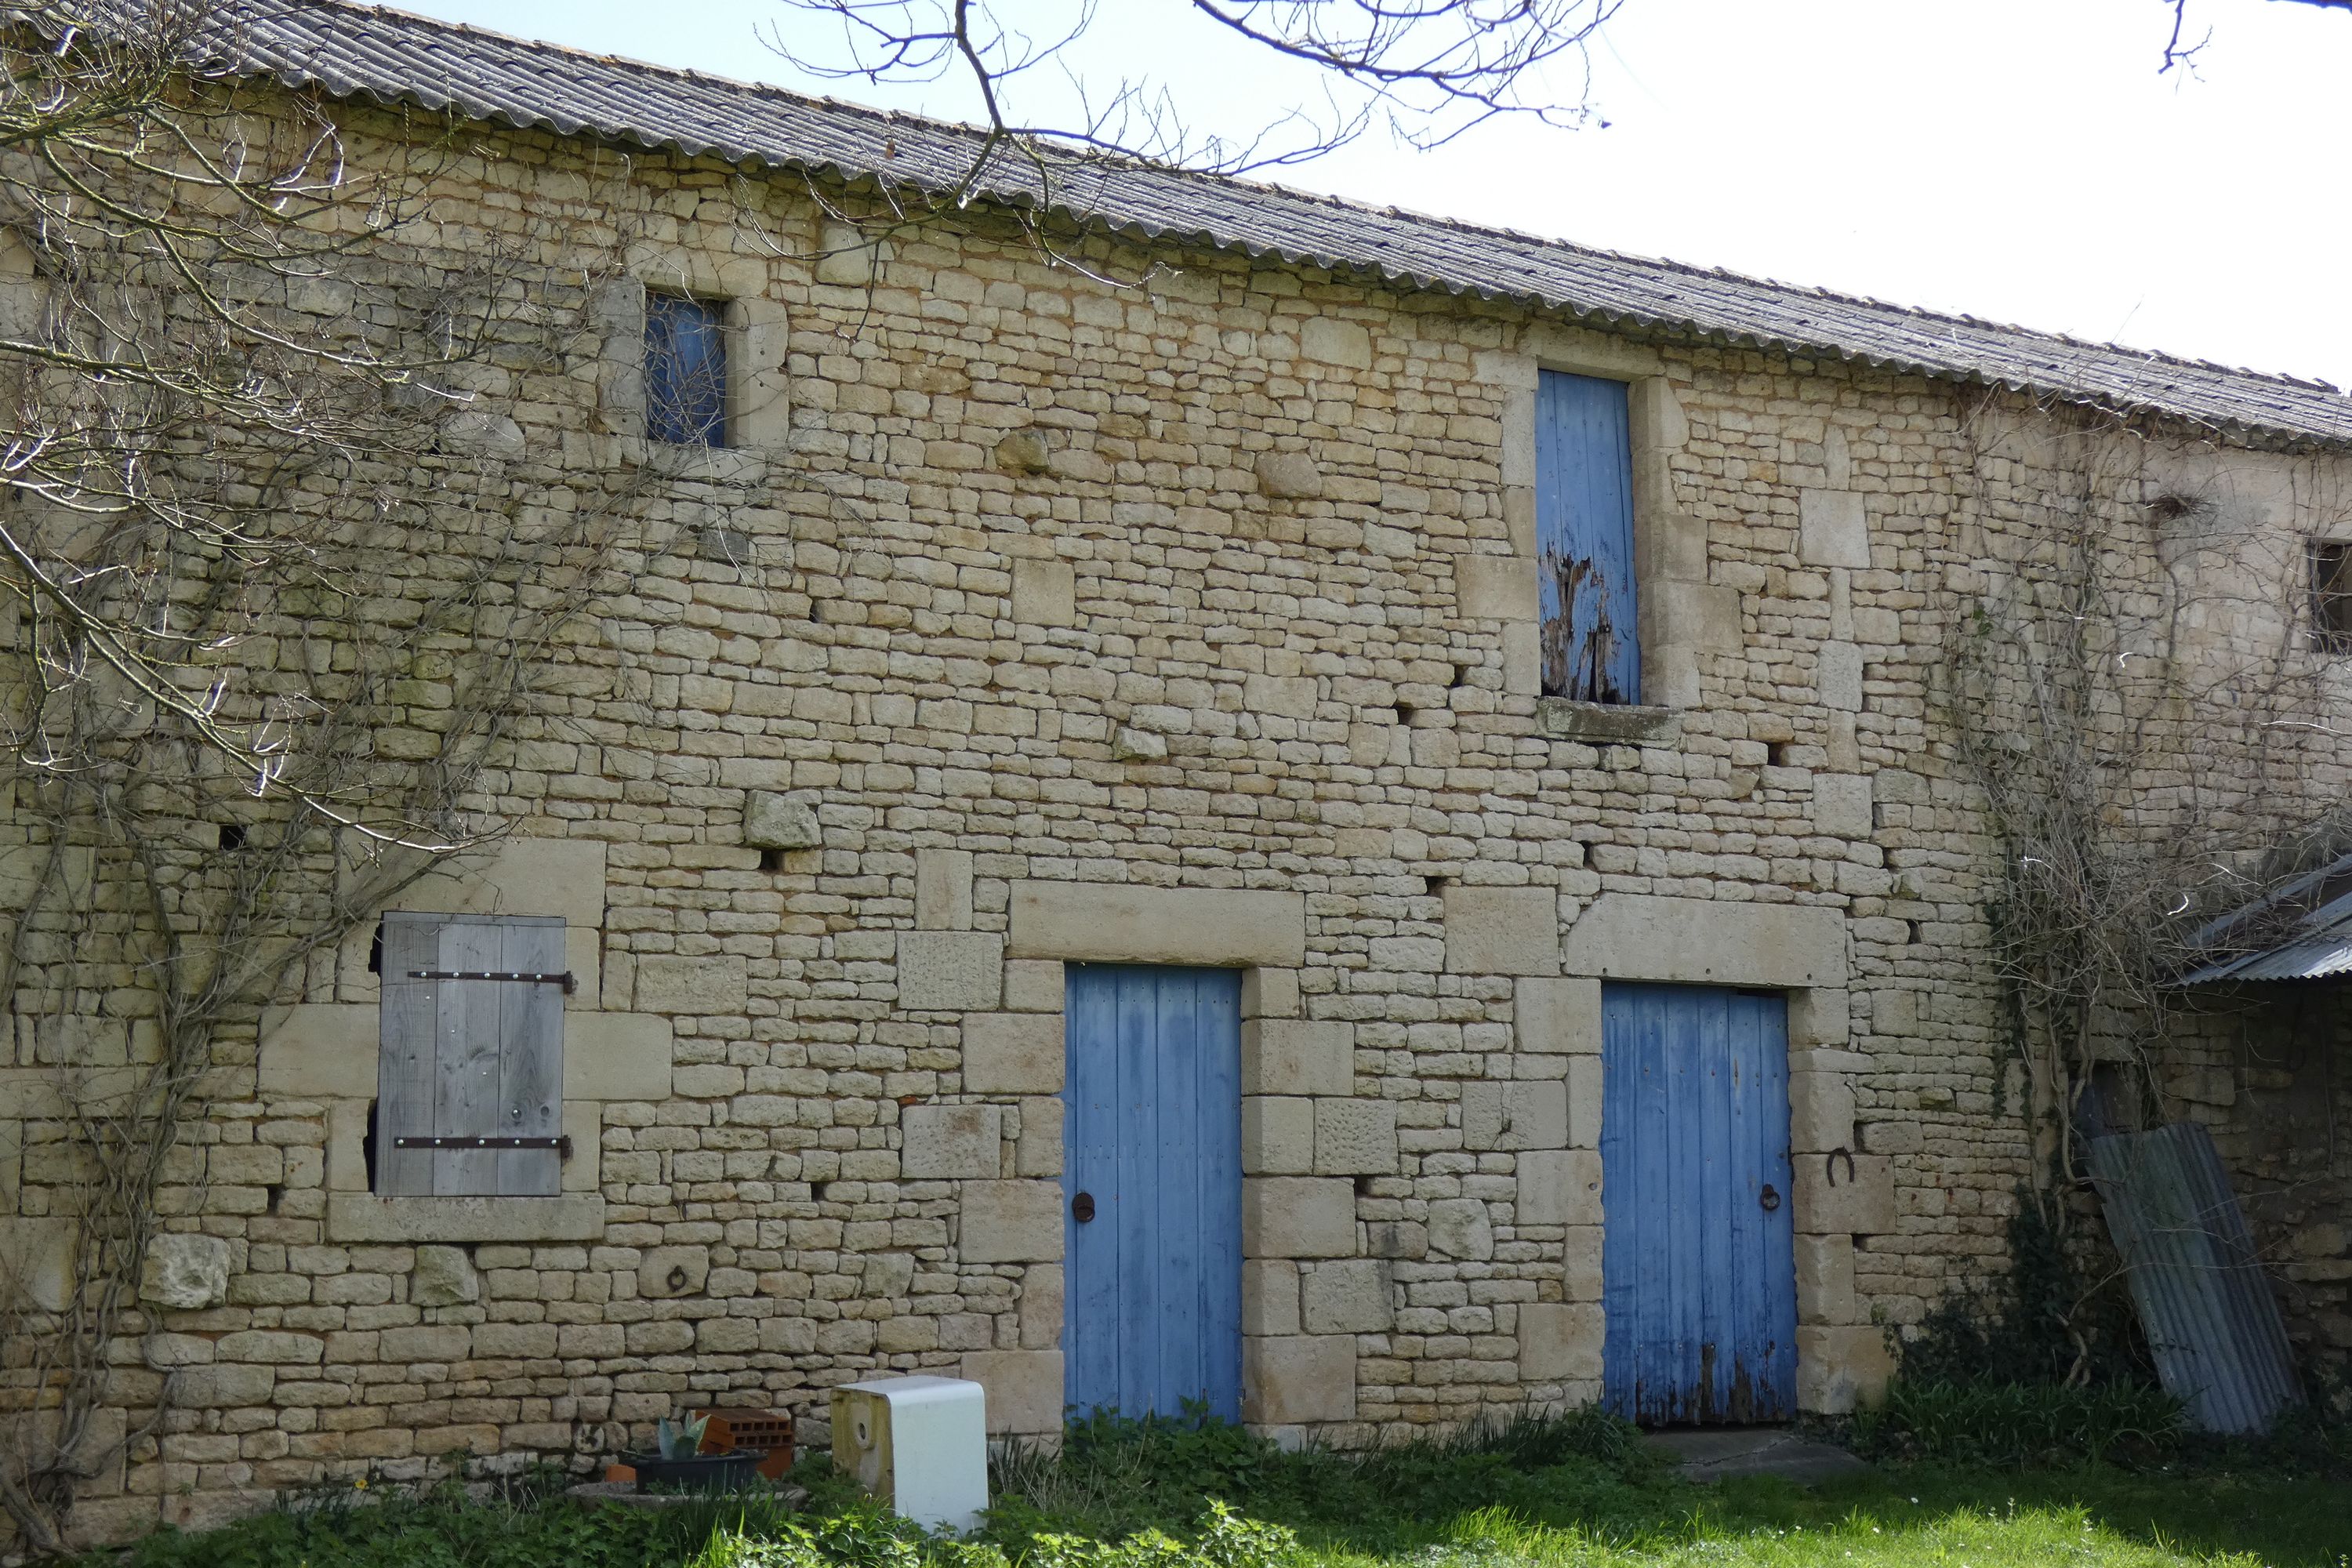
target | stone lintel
[
  {"x": 511, "y": 876},
  {"x": 1116, "y": 923},
  {"x": 1708, "y": 941}
]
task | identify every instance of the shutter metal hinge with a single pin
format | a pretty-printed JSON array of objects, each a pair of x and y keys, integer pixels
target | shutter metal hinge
[
  {"x": 561, "y": 1145},
  {"x": 523, "y": 977}
]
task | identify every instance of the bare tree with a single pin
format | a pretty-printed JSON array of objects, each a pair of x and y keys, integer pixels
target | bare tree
[
  {"x": 2179, "y": 48},
  {"x": 263, "y": 618},
  {"x": 1428, "y": 69}
]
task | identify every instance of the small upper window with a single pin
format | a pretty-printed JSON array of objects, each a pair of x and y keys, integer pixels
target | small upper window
[
  {"x": 686, "y": 371},
  {"x": 2331, "y": 596},
  {"x": 1584, "y": 535}
]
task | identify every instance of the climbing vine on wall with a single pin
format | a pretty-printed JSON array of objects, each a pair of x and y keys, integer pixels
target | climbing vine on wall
[{"x": 2133, "y": 692}]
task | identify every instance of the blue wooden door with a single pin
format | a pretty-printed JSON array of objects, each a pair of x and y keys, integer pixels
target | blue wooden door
[
  {"x": 1584, "y": 535},
  {"x": 1152, "y": 1184},
  {"x": 1698, "y": 1261}
]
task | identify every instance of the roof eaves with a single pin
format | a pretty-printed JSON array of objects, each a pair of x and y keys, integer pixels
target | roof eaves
[{"x": 524, "y": 85}]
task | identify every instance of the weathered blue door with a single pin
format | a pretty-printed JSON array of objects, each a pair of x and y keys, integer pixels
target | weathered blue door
[
  {"x": 1152, "y": 1184},
  {"x": 1698, "y": 1261},
  {"x": 1584, "y": 535}
]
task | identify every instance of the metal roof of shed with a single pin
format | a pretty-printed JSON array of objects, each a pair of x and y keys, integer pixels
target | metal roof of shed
[
  {"x": 2302, "y": 931},
  {"x": 393, "y": 56}
]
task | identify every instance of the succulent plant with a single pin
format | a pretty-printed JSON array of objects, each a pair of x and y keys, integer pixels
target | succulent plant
[{"x": 682, "y": 1440}]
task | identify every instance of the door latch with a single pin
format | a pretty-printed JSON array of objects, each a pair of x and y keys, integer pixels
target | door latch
[
  {"x": 1770, "y": 1197},
  {"x": 1082, "y": 1208}
]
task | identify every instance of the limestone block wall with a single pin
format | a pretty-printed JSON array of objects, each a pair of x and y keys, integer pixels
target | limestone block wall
[
  {"x": 2269, "y": 1072},
  {"x": 1039, "y": 620}
]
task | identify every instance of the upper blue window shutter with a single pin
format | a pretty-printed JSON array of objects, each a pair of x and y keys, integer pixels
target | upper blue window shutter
[
  {"x": 686, "y": 371},
  {"x": 1584, "y": 534}
]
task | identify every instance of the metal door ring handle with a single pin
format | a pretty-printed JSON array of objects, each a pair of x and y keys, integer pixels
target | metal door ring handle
[
  {"x": 678, "y": 1277},
  {"x": 1082, "y": 1208},
  {"x": 1770, "y": 1197}
]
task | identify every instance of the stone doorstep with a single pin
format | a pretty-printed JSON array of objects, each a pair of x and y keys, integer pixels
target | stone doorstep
[{"x": 1710, "y": 1454}]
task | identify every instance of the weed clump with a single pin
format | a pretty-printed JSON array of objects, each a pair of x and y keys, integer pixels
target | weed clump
[{"x": 2014, "y": 1424}]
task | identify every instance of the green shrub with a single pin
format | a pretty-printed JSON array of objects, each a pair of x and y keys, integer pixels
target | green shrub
[
  {"x": 2015, "y": 1424},
  {"x": 1113, "y": 1478},
  {"x": 1225, "y": 1540},
  {"x": 2054, "y": 1314},
  {"x": 521, "y": 1522}
]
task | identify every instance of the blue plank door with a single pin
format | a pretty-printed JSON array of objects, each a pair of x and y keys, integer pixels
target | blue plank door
[
  {"x": 1584, "y": 535},
  {"x": 1698, "y": 1259},
  {"x": 1152, "y": 1153}
]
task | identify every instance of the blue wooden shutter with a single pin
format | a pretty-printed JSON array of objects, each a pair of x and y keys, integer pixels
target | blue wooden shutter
[
  {"x": 686, "y": 371},
  {"x": 1584, "y": 534}
]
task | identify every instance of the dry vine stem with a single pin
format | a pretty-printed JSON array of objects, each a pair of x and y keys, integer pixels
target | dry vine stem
[
  {"x": 228, "y": 600},
  {"x": 2131, "y": 688}
]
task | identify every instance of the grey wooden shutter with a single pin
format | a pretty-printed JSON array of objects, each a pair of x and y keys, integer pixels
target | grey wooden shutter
[{"x": 472, "y": 1048}]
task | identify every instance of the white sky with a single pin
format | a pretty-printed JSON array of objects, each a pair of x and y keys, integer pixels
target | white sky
[{"x": 2016, "y": 159}]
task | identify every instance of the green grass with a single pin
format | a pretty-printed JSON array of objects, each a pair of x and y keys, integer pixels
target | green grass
[{"x": 1578, "y": 1491}]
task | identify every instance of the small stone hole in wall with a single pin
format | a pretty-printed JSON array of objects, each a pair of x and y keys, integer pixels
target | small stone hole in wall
[
  {"x": 1912, "y": 927},
  {"x": 273, "y": 1193},
  {"x": 1432, "y": 886},
  {"x": 1777, "y": 754},
  {"x": 816, "y": 1191},
  {"x": 1405, "y": 710},
  {"x": 1363, "y": 1187},
  {"x": 771, "y": 860},
  {"x": 1461, "y": 677},
  {"x": 232, "y": 835}
]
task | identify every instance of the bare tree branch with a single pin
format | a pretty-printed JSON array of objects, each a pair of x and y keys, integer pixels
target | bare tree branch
[
  {"x": 2178, "y": 51},
  {"x": 1430, "y": 69},
  {"x": 254, "y": 574}
]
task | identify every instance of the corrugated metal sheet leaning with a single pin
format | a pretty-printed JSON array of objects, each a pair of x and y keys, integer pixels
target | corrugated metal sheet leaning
[
  {"x": 393, "y": 56},
  {"x": 2211, "y": 1321}
]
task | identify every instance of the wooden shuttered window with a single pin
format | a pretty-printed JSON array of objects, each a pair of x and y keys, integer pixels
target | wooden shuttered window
[
  {"x": 471, "y": 1049},
  {"x": 1584, "y": 534}
]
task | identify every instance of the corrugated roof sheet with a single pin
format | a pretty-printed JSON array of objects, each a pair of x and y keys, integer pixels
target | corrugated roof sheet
[
  {"x": 351, "y": 50},
  {"x": 2212, "y": 1323},
  {"x": 2302, "y": 931}
]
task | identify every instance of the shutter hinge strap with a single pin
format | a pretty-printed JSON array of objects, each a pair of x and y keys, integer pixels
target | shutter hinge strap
[
  {"x": 522, "y": 978},
  {"x": 561, "y": 1145}
]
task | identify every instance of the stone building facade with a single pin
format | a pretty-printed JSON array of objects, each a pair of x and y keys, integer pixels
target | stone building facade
[{"x": 1029, "y": 619}]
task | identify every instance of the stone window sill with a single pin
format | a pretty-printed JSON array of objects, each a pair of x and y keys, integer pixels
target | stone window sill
[
  {"x": 1607, "y": 722},
  {"x": 363, "y": 1216}
]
